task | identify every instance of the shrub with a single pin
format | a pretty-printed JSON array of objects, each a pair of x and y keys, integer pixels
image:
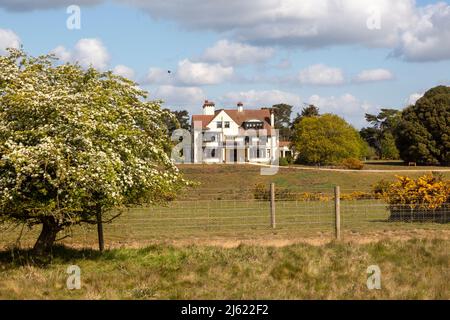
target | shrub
[
  {"x": 352, "y": 163},
  {"x": 262, "y": 192},
  {"x": 380, "y": 188},
  {"x": 421, "y": 199},
  {"x": 284, "y": 162}
]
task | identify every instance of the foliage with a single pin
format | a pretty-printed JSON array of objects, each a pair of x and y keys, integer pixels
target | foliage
[
  {"x": 262, "y": 192},
  {"x": 388, "y": 147},
  {"x": 426, "y": 192},
  {"x": 284, "y": 162},
  {"x": 75, "y": 143},
  {"x": 309, "y": 111},
  {"x": 380, "y": 134},
  {"x": 381, "y": 187},
  {"x": 327, "y": 139},
  {"x": 282, "y": 114},
  {"x": 423, "y": 133},
  {"x": 352, "y": 163},
  {"x": 177, "y": 120}
]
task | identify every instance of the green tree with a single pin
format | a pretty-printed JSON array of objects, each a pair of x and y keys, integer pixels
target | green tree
[
  {"x": 178, "y": 120},
  {"x": 388, "y": 147},
  {"x": 423, "y": 133},
  {"x": 75, "y": 144},
  {"x": 282, "y": 114},
  {"x": 309, "y": 111},
  {"x": 381, "y": 132},
  {"x": 326, "y": 139}
]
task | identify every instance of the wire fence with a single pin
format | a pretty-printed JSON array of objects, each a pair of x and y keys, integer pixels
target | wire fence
[{"x": 249, "y": 213}]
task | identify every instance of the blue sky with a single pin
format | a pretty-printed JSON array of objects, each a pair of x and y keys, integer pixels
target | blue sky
[{"x": 348, "y": 57}]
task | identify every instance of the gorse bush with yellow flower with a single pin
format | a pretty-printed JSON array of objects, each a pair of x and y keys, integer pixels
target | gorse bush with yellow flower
[{"x": 419, "y": 199}]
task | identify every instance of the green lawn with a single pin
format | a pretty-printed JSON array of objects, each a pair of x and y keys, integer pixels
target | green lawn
[
  {"x": 222, "y": 208},
  {"x": 235, "y": 178},
  {"x": 416, "y": 269},
  {"x": 216, "y": 242}
]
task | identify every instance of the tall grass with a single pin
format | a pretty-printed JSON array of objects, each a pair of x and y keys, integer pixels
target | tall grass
[{"x": 415, "y": 269}]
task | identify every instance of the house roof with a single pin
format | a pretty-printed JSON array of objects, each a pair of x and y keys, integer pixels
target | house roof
[
  {"x": 205, "y": 120},
  {"x": 238, "y": 117}
]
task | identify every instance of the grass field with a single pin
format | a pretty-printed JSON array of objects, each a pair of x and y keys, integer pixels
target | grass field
[
  {"x": 241, "y": 177},
  {"x": 222, "y": 209},
  {"x": 216, "y": 242},
  {"x": 416, "y": 269}
]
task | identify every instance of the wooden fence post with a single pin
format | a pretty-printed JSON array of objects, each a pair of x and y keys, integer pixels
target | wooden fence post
[
  {"x": 272, "y": 206},
  {"x": 101, "y": 241},
  {"x": 337, "y": 212}
]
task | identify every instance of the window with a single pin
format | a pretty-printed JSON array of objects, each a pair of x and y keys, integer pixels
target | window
[
  {"x": 227, "y": 124},
  {"x": 253, "y": 125},
  {"x": 219, "y": 124}
]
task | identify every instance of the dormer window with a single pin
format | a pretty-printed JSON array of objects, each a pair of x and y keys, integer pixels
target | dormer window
[{"x": 253, "y": 125}]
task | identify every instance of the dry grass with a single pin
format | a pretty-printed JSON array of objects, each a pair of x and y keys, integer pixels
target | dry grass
[{"x": 414, "y": 269}]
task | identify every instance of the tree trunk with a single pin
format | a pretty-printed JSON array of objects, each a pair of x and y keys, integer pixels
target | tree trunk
[{"x": 47, "y": 237}]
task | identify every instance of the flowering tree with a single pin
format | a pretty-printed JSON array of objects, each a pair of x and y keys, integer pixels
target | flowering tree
[{"x": 75, "y": 143}]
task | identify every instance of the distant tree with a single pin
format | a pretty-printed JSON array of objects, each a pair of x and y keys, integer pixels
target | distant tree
[
  {"x": 327, "y": 139},
  {"x": 423, "y": 133},
  {"x": 283, "y": 119},
  {"x": 76, "y": 144},
  {"x": 380, "y": 135},
  {"x": 179, "y": 120},
  {"x": 388, "y": 147},
  {"x": 309, "y": 111}
]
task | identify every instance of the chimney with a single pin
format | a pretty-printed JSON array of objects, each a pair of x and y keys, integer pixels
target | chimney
[
  {"x": 240, "y": 107},
  {"x": 209, "y": 108},
  {"x": 272, "y": 118}
]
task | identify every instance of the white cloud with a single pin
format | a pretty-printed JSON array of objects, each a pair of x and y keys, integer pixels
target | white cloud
[
  {"x": 347, "y": 106},
  {"x": 190, "y": 98},
  {"x": 124, "y": 71},
  {"x": 62, "y": 54},
  {"x": 8, "y": 39},
  {"x": 264, "y": 98},
  {"x": 234, "y": 53},
  {"x": 159, "y": 76},
  {"x": 412, "y": 99},
  {"x": 191, "y": 74},
  {"x": 91, "y": 52},
  {"x": 199, "y": 73},
  {"x": 320, "y": 74},
  {"x": 374, "y": 75},
  {"x": 87, "y": 52},
  {"x": 412, "y": 32},
  {"x": 428, "y": 39}
]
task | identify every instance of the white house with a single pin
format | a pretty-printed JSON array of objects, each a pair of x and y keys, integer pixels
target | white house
[{"x": 237, "y": 135}]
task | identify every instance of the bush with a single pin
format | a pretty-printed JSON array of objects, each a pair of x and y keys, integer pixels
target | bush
[
  {"x": 284, "y": 162},
  {"x": 262, "y": 192},
  {"x": 352, "y": 163},
  {"x": 424, "y": 199},
  {"x": 380, "y": 188}
]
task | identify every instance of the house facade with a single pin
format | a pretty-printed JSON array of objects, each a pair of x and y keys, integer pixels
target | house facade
[{"x": 234, "y": 135}]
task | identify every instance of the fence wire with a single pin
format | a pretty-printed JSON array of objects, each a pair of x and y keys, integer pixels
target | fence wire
[{"x": 246, "y": 213}]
